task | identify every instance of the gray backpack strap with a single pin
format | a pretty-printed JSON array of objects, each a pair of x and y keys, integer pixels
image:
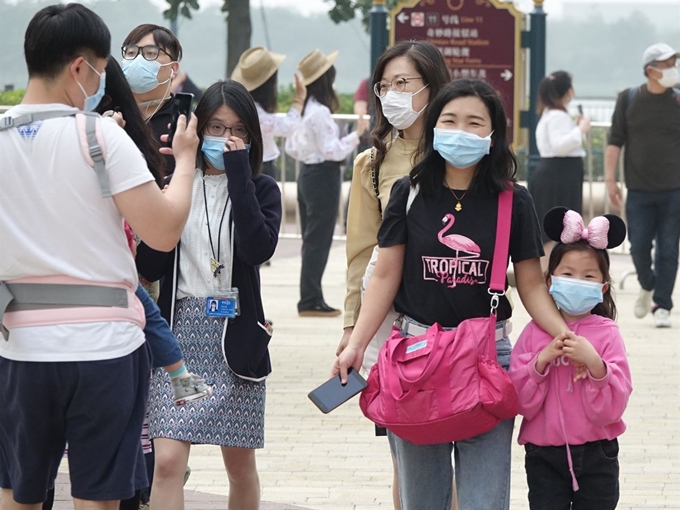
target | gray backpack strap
[
  {"x": 93, "y": 145},
  {"x": 97, "y": 155},
  {"x": 7, "y": 121}
]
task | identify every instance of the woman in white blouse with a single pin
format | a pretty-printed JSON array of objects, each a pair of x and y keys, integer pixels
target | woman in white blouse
[
  {"x": 317, "y": 145},
  {"x": 558, "y": 179},
  {"x": 257, "y": 71}
]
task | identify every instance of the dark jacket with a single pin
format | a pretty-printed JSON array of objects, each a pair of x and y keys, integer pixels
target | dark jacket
[{"x": 254, "y": 220}]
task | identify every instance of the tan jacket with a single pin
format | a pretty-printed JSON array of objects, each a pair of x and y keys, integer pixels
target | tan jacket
[{"x": 363, "y": 218}]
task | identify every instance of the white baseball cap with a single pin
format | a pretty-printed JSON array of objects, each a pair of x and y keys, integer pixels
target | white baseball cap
[{"x": 657, "y": 52}]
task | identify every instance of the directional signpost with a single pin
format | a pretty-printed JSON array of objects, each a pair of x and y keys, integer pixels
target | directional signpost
[{"x": 478, "y": 38}]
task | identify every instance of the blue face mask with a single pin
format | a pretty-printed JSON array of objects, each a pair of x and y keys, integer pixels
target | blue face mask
[
  {"x": 91, "y": 102},
  {"x": 460, "y": 148},
  {"x": 142, "y": 74},
  {"x": 575, "y": 296},
  {"x": 213, "y": 150}
]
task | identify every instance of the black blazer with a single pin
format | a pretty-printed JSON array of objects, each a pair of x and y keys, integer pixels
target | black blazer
[{"x": 255, "y": 220}]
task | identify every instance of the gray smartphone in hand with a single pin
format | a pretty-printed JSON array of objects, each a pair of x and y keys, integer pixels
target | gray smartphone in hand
[{"x": 333, "y": 393}]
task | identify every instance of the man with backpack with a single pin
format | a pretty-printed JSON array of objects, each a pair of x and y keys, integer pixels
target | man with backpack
[
  {"x": 646, "y": 122},
  {"x": 73, "y": 362}
]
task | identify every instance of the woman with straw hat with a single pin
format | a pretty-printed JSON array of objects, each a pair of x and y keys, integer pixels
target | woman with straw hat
[
  {"x": 257, "y": 70},
  {"x": 317, "y": 145}
]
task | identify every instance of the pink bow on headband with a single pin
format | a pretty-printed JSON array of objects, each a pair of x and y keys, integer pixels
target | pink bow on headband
[{"x": 596, "y": 234}]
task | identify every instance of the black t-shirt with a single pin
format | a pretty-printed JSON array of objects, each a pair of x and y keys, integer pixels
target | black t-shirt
[
  {"x": 447, "y": 266},
  {"x": 159, "y": 126},
  {"x": 649, "y": 127}
]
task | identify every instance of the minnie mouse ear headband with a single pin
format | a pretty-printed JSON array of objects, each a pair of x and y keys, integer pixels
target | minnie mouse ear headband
[{"x": 566, "y": 226}]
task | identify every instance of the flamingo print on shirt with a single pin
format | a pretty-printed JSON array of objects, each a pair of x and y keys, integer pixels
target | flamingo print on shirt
[
  {"x": 465, "y": 268},
  {"x": 454, "y": 241}
]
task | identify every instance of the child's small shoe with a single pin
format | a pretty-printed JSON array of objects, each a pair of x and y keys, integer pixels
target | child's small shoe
[{"x": 188, "y": 388}]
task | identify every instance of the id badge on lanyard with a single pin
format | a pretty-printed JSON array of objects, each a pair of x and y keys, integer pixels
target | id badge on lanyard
[{"x": 224, "y": 305}]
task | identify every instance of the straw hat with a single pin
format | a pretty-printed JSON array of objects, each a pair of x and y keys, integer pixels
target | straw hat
[
  {"x": 314, "y": 65},
  {"x": 256, "y": 66}
]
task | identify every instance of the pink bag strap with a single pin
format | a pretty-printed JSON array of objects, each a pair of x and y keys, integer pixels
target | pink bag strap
[
  {"x": 500, "y": 253},
  {"x": 435, "y": 332}
]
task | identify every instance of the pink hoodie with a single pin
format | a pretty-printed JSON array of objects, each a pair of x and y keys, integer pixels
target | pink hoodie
[{"x": 558, "y": 411}]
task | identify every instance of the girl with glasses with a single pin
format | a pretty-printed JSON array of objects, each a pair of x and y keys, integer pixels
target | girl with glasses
[{"x": 211, "y": 297}]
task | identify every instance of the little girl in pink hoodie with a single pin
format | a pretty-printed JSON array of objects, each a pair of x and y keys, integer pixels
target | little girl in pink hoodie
[{"x": 573, "y": 389}]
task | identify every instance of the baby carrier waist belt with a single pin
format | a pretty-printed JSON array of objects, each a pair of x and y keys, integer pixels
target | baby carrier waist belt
[{"x": 15, "y": 297}]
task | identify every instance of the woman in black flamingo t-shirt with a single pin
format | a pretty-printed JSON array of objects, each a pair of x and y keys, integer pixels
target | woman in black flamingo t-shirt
[{"x": 435, "y": 265}]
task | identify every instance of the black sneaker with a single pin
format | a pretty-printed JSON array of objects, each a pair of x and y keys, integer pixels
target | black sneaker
[{"x": 322, "y": 310}]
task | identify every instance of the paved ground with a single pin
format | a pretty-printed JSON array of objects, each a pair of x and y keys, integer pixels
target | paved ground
[{"x": 334, "y": 462}]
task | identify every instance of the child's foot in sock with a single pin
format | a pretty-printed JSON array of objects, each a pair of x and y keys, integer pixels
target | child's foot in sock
[{"x": 187, "y": 387}]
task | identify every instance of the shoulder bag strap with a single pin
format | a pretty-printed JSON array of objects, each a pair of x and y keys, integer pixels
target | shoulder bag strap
[
  {"x": 375, "y": 179},
  {"x": 502, "y": 247}
]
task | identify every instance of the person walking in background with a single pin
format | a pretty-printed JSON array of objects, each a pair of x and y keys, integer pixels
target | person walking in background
[
  {"x": 360, "y": 107},
  {"x": 232, "y": 229},
  {"x": 257, "y": 70},
  {"x": 466, "y": 164},
  {"x": 406, "y": 77},
  {"x": 558, "y": 179},
  {"x": 317, "y": 145},
  {"x": 151, "y": 55},
  {"x": 575, "y": 464},
  {"x": 646, "y": 122}
]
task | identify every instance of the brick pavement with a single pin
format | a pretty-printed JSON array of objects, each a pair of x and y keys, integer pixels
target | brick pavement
[{"x": 334, "y": 462}]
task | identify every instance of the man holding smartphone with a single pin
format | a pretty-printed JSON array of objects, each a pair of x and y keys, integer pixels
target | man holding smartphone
[{"x": 72, "y": 354}]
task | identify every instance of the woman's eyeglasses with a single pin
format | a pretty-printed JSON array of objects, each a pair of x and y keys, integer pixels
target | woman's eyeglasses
[
  {"x": 215, "y": 129},
  {"x": 397, "y": 85}
]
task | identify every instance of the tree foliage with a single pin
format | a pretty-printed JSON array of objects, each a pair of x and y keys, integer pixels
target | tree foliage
[{"x": 345, "y": 10}]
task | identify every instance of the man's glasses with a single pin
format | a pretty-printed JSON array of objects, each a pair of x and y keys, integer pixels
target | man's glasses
[
  {"x": 150, "y": 52},
  {"x": 214, "y": 129}
]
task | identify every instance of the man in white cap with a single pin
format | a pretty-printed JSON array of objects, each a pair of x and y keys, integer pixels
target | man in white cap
[{"x": 647, "y": 122}]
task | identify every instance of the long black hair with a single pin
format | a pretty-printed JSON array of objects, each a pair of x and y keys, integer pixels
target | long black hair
[
  {"x": 608, "y": 307},
  {"x": 118, "y": 96},
  {"x": 551, "y": 90},
  {"x": 429, "y": 63},
  {"x": 266, "y": 95},
  {"x": 495, "y": 169},
  {"x": 235, "y": 96},
  {"x": 322, "y": 90}
]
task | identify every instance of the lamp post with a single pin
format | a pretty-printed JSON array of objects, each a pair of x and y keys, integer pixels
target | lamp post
[
  {"x": 378, "y": 24},
  {"x": 536, "y": 74}
]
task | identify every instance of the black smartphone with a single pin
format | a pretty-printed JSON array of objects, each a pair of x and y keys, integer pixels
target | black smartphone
[
  {"x": 580, "y": 109},
  {"x": 181, "y": 105},
  {"x": 333, "y": 393}
]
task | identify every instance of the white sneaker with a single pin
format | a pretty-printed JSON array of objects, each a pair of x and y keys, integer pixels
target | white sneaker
[
  {"x": 643, "y": 304},
  {"x": 662, "y": 318}
]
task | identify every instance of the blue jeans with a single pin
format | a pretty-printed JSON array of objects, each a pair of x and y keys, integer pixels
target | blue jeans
[
  {"x": 165, "y": 349},
  {"x": 482, "y": 466},
  {"x": 655, "y": 216}
]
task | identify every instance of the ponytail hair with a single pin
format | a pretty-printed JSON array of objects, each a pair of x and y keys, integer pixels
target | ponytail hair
[{"x": 551, "y": 90}]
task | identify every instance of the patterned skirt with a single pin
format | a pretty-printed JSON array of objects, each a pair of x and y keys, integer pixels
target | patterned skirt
[{"x": 233, "y": 415}]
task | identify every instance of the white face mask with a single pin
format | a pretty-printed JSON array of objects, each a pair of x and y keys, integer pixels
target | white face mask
[
  {"x": 398, "y": 108},
  {"x": 669, "y": 77}
]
